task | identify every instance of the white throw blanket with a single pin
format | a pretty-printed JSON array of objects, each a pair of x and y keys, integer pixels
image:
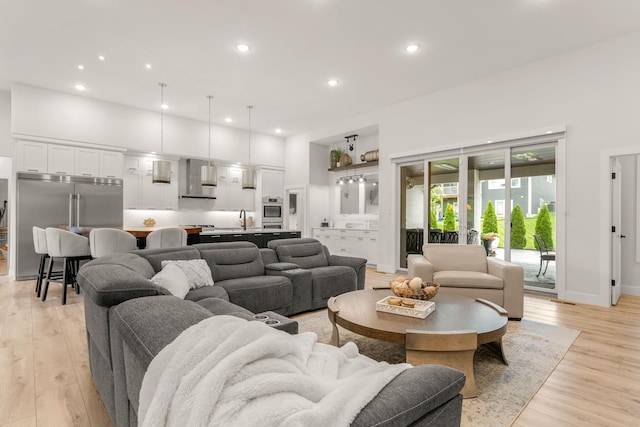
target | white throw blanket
[{"x": 226, "y": 371}]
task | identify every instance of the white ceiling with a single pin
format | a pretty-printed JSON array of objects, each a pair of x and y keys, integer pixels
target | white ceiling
[{"x": 297, "y": 46}]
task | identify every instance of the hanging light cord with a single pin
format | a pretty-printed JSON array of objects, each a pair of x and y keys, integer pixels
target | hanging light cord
[
  {"x": 209, "y": 96},
  {"x": 249, "y": 107}
]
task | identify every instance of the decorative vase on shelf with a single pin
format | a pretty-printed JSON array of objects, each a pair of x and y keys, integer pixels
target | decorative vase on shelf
[
  {"x": 332, "y": 159},
  {"x": 338, "y": 164}
]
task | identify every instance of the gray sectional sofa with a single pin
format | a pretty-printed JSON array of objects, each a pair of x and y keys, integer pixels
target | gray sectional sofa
[{"x": 129, "y": 320}]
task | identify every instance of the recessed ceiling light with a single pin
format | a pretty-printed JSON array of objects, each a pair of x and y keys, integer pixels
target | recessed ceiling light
[
  {"x": 228, "y": 119},
  {"x": 80, "y": 67},
  {"x": 243, "y": 47},
  {"x": 79, "y": 86},
  {"x": 101, "y": 57},
  {"x": 164, "y": 106},
  {"x": 278, "y": 130},
  {"x": 549, "y": 131},
  {"x": 489, "y": 142},
  {"x": 411, "y": 48},
  {"x": 148, "y": 66},
  {"x": 333, "y": 82},
  {"x": 238, "y": 163}
]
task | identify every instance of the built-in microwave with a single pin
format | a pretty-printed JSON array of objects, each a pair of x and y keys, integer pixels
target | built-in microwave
[{"x": 271, "y": 210}]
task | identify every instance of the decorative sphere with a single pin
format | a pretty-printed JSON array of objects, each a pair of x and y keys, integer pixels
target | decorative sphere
[{"x": 415, "y": 283}]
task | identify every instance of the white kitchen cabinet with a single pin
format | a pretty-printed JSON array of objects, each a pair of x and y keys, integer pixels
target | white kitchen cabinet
[
  {"x": 132, "y": 182},
  {"x": 61, "y": 159},
  {"x": 32, "y": 157},
  {"x": 139, "y": 190},
  {"x": 272, "y": 183},
  {"x": 159, "y": 196},
  {"x": 87, "y": 162},
  {"x": 235, "y": 197},
  {"x": 229, "y": 193},
  {"x": 346, "y": 242},
  {"x": 111, "y": 164}
]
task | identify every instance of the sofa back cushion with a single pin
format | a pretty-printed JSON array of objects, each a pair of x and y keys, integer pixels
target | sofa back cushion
[
  {"x": 306, "y": 253},
  {"x": 232, "y": 260},
  {"x": 156, "y": 256},
  {"x": 446, "y": 257}
]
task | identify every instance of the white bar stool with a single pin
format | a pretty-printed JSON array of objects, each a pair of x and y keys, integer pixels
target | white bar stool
[
  {"x": 107, "y": 241},
  {"x": 170, "y": 237},
  {"x": 40, "y": 247},
  {"x": 70, "y": 248}
]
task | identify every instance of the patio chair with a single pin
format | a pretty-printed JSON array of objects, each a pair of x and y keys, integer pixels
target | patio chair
[{"x": 545, "y": 254}]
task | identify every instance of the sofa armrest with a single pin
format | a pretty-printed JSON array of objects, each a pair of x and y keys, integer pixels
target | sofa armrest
[
  {"x": 301, "y": 284},
  {"x": 419, "y": 266},
  {"x": 268, "y": 256},
  {"x": 513, "y": 277},
  {"x": 108, "y": 284},
  {"x": 358, "y": 264},
  {"x": 281, "y": 266}
]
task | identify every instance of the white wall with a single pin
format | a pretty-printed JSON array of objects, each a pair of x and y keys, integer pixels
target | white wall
[
  {"x": 6, "y": 141},
  {"x": 630, "y": 267},
  {"x": 38, "y": 112},
  {"x": 593, "y": 91}
]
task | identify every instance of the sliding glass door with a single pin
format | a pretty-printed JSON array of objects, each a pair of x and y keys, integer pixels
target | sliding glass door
[{"x": 503, "y": 198}]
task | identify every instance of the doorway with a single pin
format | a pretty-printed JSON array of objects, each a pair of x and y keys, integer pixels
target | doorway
[{"x": 295, "y": 213}]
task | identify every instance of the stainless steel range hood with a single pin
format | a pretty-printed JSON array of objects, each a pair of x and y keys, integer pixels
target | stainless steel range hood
[{"x": 190, "y": 183}]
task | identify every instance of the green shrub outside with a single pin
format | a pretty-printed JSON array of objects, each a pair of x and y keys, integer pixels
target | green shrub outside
[
  {"x": 544, "y": 227},
  {"x": 433, "y": 222},
  {"x": 518, "y": 230},
  {"x": 489, "y": 221},
  {"x": 449, "y": 219}
]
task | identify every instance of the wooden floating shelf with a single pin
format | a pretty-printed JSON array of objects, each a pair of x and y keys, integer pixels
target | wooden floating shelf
[{"x": 352, "y": 167}]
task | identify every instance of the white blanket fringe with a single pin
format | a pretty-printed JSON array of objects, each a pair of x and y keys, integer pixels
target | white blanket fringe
[{"x": 228, "y": 371}]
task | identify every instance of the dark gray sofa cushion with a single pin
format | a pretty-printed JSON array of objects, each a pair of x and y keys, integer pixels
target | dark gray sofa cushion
[
  {"x": 232, "y": 260},
  {"x": 207, "y": 292},
  {"x": 156, "y": 256},
  {"x": 111, "y": 284},
  {"x": 260, "y": 293},
  {"x": 331, "y": 281},
  {"x": 219, "y": 306},
  {"x": 414, "y": 393},
  {"x": 306, "y": 253},
  {"x": 142, "y": 327}
]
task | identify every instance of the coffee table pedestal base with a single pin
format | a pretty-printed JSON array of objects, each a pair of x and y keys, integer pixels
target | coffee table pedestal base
[{"x": 453, "y": 349}]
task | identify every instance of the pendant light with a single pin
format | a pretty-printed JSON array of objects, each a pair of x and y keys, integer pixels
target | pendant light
[
  {"x": 161, "y": 173},
  {"x": 208, "y": 175},
  {"x": 249, "y": 175}
]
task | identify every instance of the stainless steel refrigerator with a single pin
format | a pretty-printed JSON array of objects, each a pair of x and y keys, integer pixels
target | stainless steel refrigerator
[{"x": 51, "y": 201}]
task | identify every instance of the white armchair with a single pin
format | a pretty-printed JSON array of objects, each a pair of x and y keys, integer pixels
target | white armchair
[{"x": 466, "y": 270}]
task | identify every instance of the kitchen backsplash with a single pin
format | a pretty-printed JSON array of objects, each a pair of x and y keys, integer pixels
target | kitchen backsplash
[{"x": 135, "y": 218}]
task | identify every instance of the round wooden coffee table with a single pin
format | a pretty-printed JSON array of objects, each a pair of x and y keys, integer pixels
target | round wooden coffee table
[{"x": 449, "y": 336}]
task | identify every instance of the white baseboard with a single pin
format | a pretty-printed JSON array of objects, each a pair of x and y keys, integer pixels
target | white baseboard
[{"x": 631, "y": 290}]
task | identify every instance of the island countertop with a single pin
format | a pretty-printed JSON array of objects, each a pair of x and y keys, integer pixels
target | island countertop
[{"x": 144, "y": 231}]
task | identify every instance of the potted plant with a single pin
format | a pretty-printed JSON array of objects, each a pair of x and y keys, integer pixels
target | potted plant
[{"x": 337, "y": 155}]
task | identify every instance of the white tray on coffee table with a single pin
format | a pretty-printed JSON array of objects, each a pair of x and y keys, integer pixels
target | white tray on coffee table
[{"x": 421, "y": 310}]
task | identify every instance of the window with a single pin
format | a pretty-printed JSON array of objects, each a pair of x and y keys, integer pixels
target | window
[
  {"x": 500, "y": 207},
  {"x": 498, "y": 184}
]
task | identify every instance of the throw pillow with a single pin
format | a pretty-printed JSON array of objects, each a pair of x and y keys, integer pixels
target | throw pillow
[
  {"x": 197, "y": 271},
  {"x": 173, "y": 279}
]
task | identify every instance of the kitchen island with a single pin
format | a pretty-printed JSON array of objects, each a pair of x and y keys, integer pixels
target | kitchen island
[{"x": 260, "y": 236}]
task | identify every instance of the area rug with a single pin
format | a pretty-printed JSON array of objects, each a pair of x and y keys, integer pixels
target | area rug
[{"x": 533, "y": 350}]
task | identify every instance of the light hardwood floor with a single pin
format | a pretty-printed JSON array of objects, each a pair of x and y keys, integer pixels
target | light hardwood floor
[{"x": 45, "y": 378}]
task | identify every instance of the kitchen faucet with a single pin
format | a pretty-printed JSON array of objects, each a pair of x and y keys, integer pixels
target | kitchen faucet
[{"x": 244, "y": 223}]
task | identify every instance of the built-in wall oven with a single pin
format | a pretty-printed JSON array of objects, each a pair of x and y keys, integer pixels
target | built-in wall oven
[{"x": 272, "y": 212}]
